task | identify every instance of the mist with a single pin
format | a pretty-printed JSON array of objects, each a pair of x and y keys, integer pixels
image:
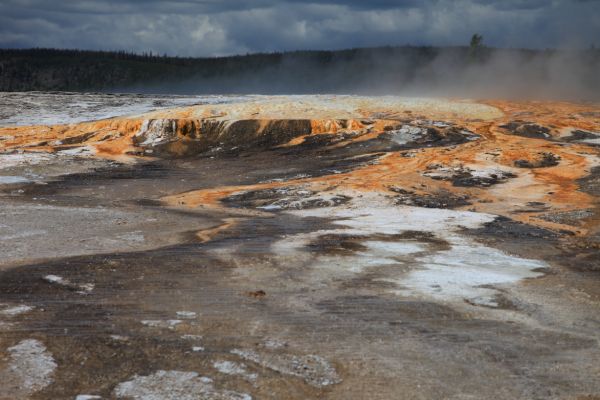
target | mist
[
  {"x": 513, "y": 74},
  {"x": 410, "y": 71},
  {"x": 407, "y": 71}
]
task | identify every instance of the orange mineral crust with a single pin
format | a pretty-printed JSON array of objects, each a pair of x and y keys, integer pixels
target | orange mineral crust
[
  {"x": 527, "y": 141},
  {"x": 555, "y": 185}
]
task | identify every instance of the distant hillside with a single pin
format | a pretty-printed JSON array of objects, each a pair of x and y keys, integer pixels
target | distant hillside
[{"x": 384, "y": 70}]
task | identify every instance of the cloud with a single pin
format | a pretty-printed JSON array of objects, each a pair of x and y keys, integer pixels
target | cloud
[{"x": 222, "y": 27}]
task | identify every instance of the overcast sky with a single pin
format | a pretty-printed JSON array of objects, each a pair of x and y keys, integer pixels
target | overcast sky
[{"x": 223, "y": 27}]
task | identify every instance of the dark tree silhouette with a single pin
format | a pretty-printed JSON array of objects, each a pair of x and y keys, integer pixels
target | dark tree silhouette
[
  {"x": 476, "y": 48},
  {"x": 378, "y": 70}
]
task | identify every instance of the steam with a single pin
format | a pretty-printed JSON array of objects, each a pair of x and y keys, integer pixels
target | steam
[
  {"x": 413, "y": 71},
  {"x": 562, "y": 75}
]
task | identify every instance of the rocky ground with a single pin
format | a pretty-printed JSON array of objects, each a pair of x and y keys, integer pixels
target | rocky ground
[{"x": 296, "y": 247}]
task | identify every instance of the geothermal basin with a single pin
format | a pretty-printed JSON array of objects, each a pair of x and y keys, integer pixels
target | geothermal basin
[{"x": 298, "y": 247}]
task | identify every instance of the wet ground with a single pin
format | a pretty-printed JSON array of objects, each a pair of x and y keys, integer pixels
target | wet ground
[
  {"x": 46, "y": 108},
  {"x": 357, "y": 263}
]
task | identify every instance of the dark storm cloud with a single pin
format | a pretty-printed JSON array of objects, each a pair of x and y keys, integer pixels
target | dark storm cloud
[{"x": 218, "y": 27}]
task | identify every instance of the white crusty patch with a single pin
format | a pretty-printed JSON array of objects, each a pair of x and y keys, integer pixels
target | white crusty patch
[
  {"x": 158, "y": 323},
  {"x": 191, "y": 337},
  {"x": 464, "y": 272},
  {"x": 84, "y": 288},
  {"x": 55, "y": 279},
  {"x": 30, "y": 368},
  {"x": 83, "y": 151},
  {"x": 155, "y": 132},
  {"x": 15, "y": 310},
  {"x": 186, "y": 314},
  {"x": 23, "y": 159},
  {"x": 313, "y": 369},
  {"x": 174, "y": 385},
  {"x": 234, "y": 368},
  {"x": 274, "y": 344}
]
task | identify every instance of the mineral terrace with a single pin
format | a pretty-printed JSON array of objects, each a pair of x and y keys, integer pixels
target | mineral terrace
[{"x": 298, "y": 247}]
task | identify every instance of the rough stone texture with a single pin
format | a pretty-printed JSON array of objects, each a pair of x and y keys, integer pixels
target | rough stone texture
[
  {"x": 174, "y": 385},
  {"x": 30, "y": 368},
  {"x": 527, "y": 129},
  {"x": 542, "y": 160},
  {"x": 315, "y": 370}
]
